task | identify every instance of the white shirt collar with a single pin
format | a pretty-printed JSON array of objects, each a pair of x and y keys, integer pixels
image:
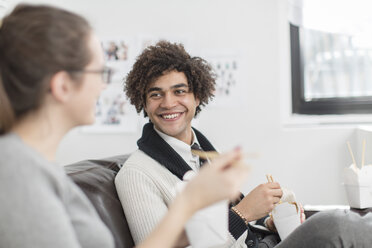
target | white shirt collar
[{"x": 183, "y": 149}]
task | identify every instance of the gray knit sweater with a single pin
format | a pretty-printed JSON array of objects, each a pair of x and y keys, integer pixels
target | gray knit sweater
[{"x": 40, "y": 206}]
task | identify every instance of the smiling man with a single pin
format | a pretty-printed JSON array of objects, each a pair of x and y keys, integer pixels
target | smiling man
[{"x": 170, "y": 87}]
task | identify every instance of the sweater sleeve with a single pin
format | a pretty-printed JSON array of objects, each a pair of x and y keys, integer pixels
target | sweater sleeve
[
  {"x": 142, "y": 202},
  {"x": 237, "y": 226},
  {"x": 31, "y": 212}
]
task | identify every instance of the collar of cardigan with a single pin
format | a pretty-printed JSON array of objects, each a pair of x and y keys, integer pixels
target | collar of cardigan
[{"x": 155, "y": 147}]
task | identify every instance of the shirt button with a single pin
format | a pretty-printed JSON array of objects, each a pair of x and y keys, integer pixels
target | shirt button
[{"x": 250, "y": 243}]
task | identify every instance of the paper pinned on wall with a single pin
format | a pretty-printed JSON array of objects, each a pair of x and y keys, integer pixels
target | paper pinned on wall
[
  {"x": 114, "y": 113},
  {"x": 120, "y": 54},
  {"x": 230, "y": 86}
]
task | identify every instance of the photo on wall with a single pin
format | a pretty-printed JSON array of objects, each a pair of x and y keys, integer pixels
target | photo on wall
[
  {"x": 231, "y": 87},
  {"x": 120, "y": 54},
  {"x": 114, "y": 113}
]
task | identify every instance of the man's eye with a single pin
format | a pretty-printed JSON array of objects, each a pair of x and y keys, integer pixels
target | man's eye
[
  {"x": 180, "y": 92},
  {"x": 154, "y": 95}
]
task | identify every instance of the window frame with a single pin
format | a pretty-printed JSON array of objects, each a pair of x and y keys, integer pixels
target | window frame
[{"x": 318, "y": 106}]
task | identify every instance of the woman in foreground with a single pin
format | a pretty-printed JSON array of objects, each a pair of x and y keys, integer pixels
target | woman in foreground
[{"x": 51, "y": 75}]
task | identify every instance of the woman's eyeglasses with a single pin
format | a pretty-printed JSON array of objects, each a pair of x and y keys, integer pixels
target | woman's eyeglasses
[{"x": 106, "y": 73}]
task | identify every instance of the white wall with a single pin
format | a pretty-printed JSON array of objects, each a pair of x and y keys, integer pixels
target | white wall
[{"x": 306, "y": 159}]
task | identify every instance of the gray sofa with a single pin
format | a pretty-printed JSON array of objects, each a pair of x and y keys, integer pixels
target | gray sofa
[{"x": 96, "y": 179}]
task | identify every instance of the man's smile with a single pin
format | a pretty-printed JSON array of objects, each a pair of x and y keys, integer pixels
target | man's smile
[{"x": 171, "y": 116}]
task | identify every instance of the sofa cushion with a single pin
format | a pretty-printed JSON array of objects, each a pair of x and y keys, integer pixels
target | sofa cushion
[{"x": 96, "y": 179}]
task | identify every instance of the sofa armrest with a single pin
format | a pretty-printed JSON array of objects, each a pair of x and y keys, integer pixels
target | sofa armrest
[
  {"x": 96, "y": 179},
  {"x": 313, "y": 209}
]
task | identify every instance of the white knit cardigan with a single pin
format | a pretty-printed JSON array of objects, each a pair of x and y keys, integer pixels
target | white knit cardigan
[{"x": 146, "y": 189}]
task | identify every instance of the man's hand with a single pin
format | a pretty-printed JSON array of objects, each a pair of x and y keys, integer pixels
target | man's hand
[
  {"x": 260, "y": 201},
  {"x": 302, "y": 215}
]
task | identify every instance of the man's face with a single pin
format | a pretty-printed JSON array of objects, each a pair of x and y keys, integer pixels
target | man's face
[{"x": 171, "y": 106}]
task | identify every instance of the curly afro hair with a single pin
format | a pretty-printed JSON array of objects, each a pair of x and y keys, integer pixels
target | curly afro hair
[{"x": 164, "y": 57}]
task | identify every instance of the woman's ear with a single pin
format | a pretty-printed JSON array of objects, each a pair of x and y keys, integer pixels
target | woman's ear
[{"x": 60, "y": 86}]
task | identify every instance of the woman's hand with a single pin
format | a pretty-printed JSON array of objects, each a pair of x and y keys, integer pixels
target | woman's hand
[{"x": 220, "y": 180}]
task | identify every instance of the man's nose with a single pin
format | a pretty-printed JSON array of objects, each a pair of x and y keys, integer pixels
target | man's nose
[{"x": 169, "y": 101}]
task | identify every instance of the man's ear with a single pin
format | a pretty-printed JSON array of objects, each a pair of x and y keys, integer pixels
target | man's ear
[
  {"x": 60, "y": 86},
  {"x": 197, "y": 101}
]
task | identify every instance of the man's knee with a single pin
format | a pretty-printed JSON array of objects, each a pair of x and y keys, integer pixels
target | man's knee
[
  {"x": 328, "y": 223},
  {"x": 332, "y": 229},
  {"x": 323, "y": 227},
  {"x": 320, "y": 230}
]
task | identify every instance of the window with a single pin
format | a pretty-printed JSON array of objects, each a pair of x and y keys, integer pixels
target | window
[
  {"x": 331, "y": 56},
  {"x": 331, "y": 73}
]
